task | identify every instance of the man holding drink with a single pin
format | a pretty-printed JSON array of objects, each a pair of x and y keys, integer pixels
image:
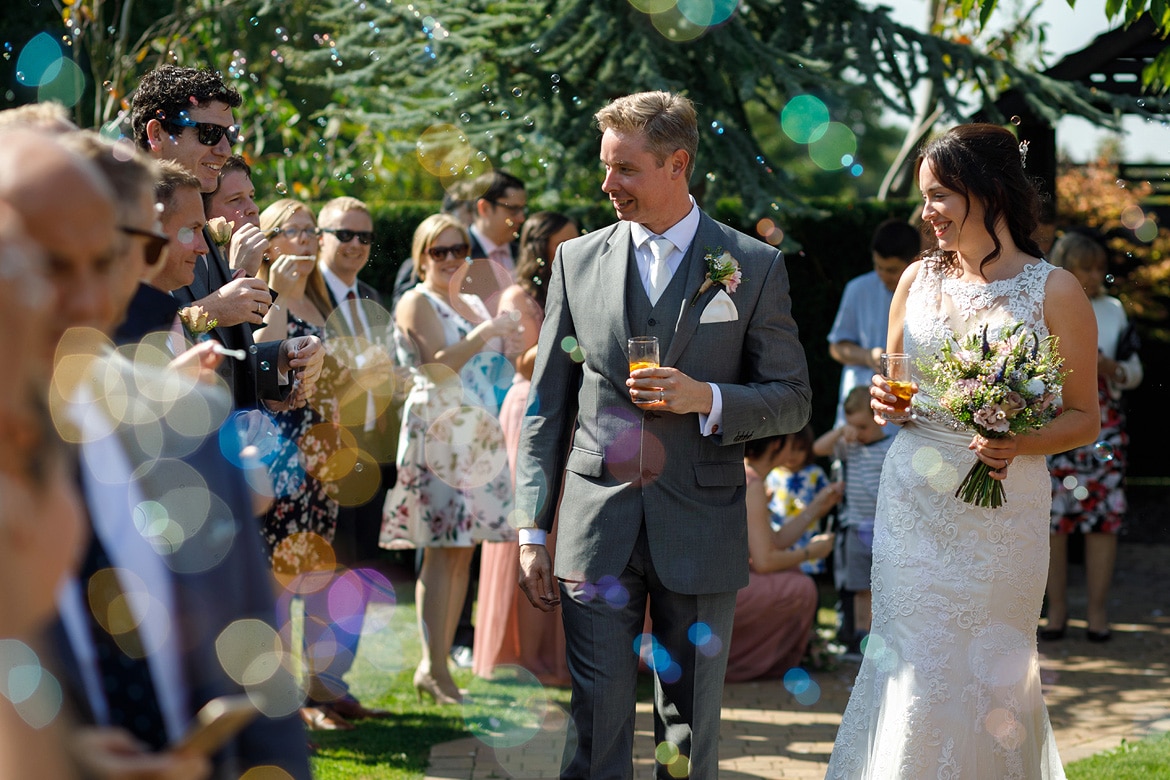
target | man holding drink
[{"x": 649, "y": 457}]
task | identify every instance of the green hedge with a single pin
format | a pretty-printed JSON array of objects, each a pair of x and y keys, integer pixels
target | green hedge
[{"x": 832, "y": 246}]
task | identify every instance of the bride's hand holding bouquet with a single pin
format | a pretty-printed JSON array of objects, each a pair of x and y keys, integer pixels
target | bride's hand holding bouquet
[{"x": 998, "y": 389}]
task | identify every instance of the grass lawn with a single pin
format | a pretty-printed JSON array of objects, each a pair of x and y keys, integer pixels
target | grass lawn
[
  {"x": 508, "y": 711},
  {"x": 1148, "y": 759},
  {"x": 502, "y": 712}
]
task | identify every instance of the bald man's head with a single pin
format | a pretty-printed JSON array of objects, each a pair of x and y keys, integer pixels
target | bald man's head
[{"x": 68, "y": 209}]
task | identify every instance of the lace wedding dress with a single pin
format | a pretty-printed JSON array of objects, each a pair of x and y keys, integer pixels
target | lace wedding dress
[{"x": 950, "y": 683}]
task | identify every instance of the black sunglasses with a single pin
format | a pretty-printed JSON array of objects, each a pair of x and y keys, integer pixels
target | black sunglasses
[
  {"x": 345, "y": 236},
  {"x": 456, "y": 250},
  {"x": 156, "y": 243},
  {"x": 208, "y": 133}
]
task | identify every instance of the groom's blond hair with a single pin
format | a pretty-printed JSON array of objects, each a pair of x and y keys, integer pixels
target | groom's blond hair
[{"x": 666, "y": 120}]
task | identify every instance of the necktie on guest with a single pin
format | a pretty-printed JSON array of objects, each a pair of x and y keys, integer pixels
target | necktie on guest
[
  {"x": 355, "y": 316},
  {"x": 501, "y": 255},
  {"x": 125, "y": 676},
  {"x": 360, "y": 331},
  {"x": 660, "y": 249}
]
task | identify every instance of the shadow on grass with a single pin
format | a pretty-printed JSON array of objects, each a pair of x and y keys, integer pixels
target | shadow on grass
[{"x": 397, "y": 747}]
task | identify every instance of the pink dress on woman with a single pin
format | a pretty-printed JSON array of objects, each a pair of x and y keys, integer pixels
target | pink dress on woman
[
  {"x": 508, "y": 629},
  {"x": 774, "y": 616}
]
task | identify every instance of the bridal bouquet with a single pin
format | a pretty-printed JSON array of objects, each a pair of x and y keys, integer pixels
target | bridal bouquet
[{"x": 998, "y": 389}]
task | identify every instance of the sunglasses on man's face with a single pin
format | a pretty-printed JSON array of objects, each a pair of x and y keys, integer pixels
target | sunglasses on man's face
[
  {"x": 458, "y": 251},
  {"x": 156, "y": 243},
  {"x": 345, "y": 236},
  {"x": 207, "y": 132}
]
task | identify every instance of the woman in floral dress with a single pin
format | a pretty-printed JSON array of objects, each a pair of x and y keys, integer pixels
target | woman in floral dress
[
  {"x": 299, "y": 526},
  {"x": 454, "y": 487},
  {"x": 1088, "y": 483},
  {"x": 303, "y": 515}
]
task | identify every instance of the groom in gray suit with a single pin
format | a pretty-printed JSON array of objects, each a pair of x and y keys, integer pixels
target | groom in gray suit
[{"x": 645, "y": 469}]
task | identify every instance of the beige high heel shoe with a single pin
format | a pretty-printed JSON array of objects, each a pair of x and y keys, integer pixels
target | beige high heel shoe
[{"x": 425, "y": 683}]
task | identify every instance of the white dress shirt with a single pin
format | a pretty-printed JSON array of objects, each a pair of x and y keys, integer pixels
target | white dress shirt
[
  {"x": 490, "y": 246},
  {"x": 341, "y": 291},
  {"x": 146, "y": 580}
]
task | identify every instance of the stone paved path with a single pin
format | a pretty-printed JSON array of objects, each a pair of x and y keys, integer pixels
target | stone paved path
[{"x": 1097, "y": 695}]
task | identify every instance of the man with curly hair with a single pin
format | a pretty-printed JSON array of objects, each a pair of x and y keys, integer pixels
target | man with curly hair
[{"x": 185, "y": 115}]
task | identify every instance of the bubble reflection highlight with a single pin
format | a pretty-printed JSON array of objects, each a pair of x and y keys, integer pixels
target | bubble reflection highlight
[
  {"x": 34, "y": 693},
  {"x": 507, "y": 710}
]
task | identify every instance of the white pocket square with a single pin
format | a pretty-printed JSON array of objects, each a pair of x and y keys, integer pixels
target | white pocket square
[{"x": 720, "y": 309}]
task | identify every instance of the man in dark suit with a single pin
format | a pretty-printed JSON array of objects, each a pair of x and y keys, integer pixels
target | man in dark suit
[
  {"x": 185, "y": 115},
  {"x": 361, "y": 326},
  {"x": 209, "y": 574},
  {"x": 650, "y": 462}
]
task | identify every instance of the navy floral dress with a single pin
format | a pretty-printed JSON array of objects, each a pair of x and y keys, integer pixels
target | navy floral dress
[{"x": 300, "y": 524}]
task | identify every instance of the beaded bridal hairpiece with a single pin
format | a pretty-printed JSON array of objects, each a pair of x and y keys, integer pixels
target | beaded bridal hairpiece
[{"x": 1023, "y": 154}]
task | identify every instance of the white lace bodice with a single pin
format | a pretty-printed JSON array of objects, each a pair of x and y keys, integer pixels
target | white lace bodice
[{"x": 940, "y": 305}]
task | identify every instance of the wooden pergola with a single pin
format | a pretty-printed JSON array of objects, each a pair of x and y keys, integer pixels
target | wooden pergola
[{"x": 1112, "y": 63}]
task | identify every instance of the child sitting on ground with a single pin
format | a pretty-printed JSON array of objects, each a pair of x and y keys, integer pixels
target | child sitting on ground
[{"x": 861, "y": 446}]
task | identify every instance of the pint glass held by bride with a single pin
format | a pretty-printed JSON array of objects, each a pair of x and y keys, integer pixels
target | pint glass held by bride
[
  {"x": 643, "y": 351},
  {"x": 896, "y": 370}
]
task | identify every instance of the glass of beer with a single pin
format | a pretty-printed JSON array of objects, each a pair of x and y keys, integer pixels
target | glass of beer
[
  {"x": 896, "y": 370},
  {"x": 643, "y": 352}
]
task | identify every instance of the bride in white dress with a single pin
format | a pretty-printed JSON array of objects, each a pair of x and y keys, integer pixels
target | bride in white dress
[{"x": 950, "y": 685}]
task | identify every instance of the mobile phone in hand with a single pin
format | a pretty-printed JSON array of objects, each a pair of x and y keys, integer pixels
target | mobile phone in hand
[{"x": 217, "y": 722}]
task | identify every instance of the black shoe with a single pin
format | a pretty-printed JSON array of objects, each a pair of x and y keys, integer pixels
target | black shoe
[
  {"x": 1050, "y": 634},
  {"x": 1098, "y": 636}
]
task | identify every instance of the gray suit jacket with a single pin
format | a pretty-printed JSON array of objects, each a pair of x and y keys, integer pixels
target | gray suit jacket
[{"x": 617, "y": 463}]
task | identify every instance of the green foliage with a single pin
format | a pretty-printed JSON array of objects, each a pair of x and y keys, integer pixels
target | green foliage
[
  {"x": 1155, "y": 76},
  {"x": 514, "y": 84},
  {"x": 394, "y": 225}
]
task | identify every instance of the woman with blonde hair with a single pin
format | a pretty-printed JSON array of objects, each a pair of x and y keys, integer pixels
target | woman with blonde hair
[
  {"x": 303, "y": 517},
  {"x": 453, "y": 487}
]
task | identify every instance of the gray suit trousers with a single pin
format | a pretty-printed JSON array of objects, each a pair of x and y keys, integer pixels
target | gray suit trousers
[{"x": 688, "y": 651}]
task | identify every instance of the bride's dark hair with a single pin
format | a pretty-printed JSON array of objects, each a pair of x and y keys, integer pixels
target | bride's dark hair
[{"x": 982, "y": 161}]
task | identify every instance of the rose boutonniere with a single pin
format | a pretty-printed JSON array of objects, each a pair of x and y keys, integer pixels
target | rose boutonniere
[
  {"x": 220, "y": 230},
  {"x": 722, "y": 269},
  {"x": 194, "y": 319}
]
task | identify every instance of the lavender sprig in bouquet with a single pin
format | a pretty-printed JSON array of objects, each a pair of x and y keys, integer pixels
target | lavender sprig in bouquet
[{"x": 998, "y": 389}]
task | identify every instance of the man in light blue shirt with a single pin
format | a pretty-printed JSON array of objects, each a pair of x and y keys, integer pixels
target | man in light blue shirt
[{"x": 858, "y": 337}]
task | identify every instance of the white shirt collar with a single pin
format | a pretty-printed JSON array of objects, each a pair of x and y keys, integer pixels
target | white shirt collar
[
  {"x": 681, "y": 233},
  {"x": 488, "y": 245},
  {"x": 339, "y": 288}
]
